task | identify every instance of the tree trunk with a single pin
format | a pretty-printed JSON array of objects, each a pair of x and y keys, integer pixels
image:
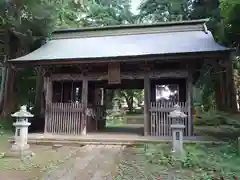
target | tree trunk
[
  {"x": 129, "y": 101},
  {"x": 2, "y": 86},
  {"x": 109, "y": 98}
]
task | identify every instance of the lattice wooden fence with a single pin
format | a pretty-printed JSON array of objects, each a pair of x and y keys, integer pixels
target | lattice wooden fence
[
  {"x": 64, "y": 118},
  {"x": 161, "y": 123}
]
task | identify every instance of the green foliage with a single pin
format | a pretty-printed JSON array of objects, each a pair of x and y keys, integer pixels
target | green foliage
[
  {"x": 217, "y": 160},
  {"x": 207, "y": 9},
  {"x": 114, "y": 118},
  {"x": 201, "y": 162},
  {"x": 103, "y": 13},
  {"x": 129, "y": 96},
  {"x": 25, "y": 87},
  {"x": 215, "y": 118},
  {"x": 161, "y": 11},
  {"x": 204, "y": 89},
  {"x": 230, "y": 10},
  {"x": 28, "y": 19},
  {"x": 6, "y": 126}
]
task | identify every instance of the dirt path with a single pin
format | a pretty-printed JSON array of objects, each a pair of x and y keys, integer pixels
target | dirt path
[{"x": 92, "y": 162}]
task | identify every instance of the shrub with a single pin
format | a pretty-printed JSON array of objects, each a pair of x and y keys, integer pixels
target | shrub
[{"x": 216, "y": 118}]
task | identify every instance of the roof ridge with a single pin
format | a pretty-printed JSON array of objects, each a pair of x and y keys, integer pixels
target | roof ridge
[
  {"x": 132, "y": 26},
  {"x": 181, "y": 26}
]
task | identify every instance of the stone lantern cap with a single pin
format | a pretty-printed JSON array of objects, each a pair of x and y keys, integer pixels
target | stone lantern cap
[
  {"x": 177, "y": 113},
  {"x": 22, "y": 113}
]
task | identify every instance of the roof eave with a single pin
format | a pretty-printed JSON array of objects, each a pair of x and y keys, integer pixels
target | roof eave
[{"x": 124, "y": 58}]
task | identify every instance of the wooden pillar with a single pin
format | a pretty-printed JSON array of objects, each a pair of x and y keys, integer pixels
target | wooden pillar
[
  {"x": 48, "y": 88},
  {"x": 104, "y": 118},
  {"x": 102, "y": 96},
  {"x": 189, "y": 88},
  {"x": 98, "y": 96},
  {"x": 223, "y": 87},
  {"x": 39, "y": 93},
  {"x": 218, "y": 90},
  {"x": 230, "y": 87},
  {"x": 220, "y": 103},
  {"x": 225, "y": 91},
  {"x": 84, "y": 105},
  {"x": 153, "y": 91},
  {"x": 146, "y": 103}
]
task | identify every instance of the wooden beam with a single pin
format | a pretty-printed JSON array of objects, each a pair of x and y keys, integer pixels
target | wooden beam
[
  {"x": 146, "y": 103},
  {"x": 84, "y": 104},
  {"x": 130, "y": 75}
]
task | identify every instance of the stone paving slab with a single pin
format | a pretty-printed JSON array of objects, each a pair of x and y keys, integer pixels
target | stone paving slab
[{"x": 91, "y": 162}]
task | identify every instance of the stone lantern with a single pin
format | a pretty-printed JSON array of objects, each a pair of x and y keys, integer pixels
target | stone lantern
[
  {"x": 177, "y": 127},
  {"x": 20, "y": 146}
]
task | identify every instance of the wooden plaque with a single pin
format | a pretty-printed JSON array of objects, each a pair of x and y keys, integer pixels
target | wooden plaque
[{"x": 114, "y": 73}]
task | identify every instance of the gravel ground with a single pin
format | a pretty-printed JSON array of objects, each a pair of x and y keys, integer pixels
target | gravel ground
[{"x": 91, "y": 162}]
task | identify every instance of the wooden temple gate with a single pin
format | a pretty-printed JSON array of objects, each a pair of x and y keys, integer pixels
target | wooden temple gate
[{"x": 149, "y": 53}]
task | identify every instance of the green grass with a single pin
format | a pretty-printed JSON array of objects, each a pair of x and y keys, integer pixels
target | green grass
[
  {"x": 115, "y": 122},
  {"x": 202, "y": 162},
  {"x": 221, "y": 132},
  {"x": 220, "y": 125}
]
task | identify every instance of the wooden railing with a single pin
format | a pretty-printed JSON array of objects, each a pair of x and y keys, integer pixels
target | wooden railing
[
  {"x": 160, "y": 124},
  {"x": 64, "y": 118}
]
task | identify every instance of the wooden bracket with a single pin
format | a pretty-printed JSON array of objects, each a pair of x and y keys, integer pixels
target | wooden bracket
[
  {"x": 41, "y": 69},
  {"x": 146, "y": 67},
  {"x": 15, "y": 68},
  {"x": 85, "y": 69},
  {"x": 223, "y": 63}
]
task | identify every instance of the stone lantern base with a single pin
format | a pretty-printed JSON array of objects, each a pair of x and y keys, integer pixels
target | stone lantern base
[
  {"x": 17, "y": 152},
  {"x": 15, "y": 147}
]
